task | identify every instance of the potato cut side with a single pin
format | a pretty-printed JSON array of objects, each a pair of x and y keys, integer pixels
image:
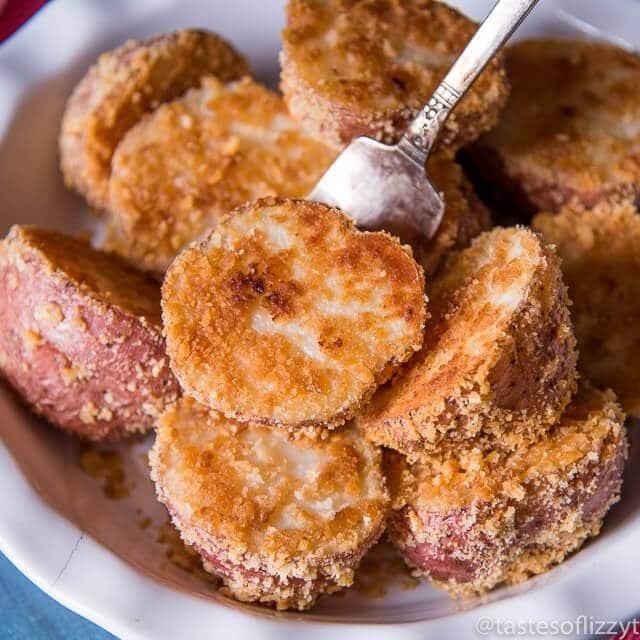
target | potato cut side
[
  {"x": 287, "y": 315},
  {"x": 282, "y": 520},
  {"x": 570, "y": 130},
  {"x": 121, "y": 87},
  {"x": 499, "y": 357},
  {"x": 81, "y": 340},
  {"x": 473, "y": 520},
  {"x": 196, "y": 158},
  {"x": 367, "y": 68},
  {"x": 601, "y": 266}
]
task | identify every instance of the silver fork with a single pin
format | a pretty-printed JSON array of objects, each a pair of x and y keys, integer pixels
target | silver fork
[{"x": 385, "y": 186}]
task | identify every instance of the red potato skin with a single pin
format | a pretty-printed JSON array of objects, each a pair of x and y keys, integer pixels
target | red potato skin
[
  {"x": 460, "y": 553},
  {"x": 301, "y": 590},
  {"x": 516, "y": 198},
  {"x": 114, "y": 349}
]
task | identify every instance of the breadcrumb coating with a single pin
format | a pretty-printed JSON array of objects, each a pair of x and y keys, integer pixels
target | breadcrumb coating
[
  {"x": 499, "y": 357},
  {"x": 571, "y": 127},
  {"x": 195, "y": 159},
  {"x": 121, "y": 87},
  {"x": 81, "y": 335},
  {"x": 472, "y": 520},
  {"x": 367, "y": 67},
  {"x": 281, "y": 519},
  {"x": 601, "y": 266},
  {"x": 287, "y": 315},
  {"x": 464, "y": 217}
]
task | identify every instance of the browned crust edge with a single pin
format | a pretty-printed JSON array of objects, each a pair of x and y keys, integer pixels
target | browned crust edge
[{"x": 121, "y": 87}]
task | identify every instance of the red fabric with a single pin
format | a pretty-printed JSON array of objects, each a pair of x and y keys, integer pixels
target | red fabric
[
  {"x": 630, "y": 635},
  {"x": 14, "y": 13}
]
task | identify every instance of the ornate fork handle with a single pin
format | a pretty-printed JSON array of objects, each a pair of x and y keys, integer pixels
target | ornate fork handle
[{"x": 502, "y": 21}]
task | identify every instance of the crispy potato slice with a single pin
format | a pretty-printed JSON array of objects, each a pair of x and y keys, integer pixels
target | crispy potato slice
[
  {"x": 287, "y": 315},
  {"x": 81, "y": 339},
  {"x": 571, "y": 127},
  {"x": 282, "y": 520},
  {"x": 366, "y": 67},
  {"x": 465, "y": 216},
  {"x": 601, "y": 266},
  {"x": 121, "y": 87},
  {"x": 473, "y": 520},
  {"x": 499, "y": 357},
  {"x": 196, "y": 158}
]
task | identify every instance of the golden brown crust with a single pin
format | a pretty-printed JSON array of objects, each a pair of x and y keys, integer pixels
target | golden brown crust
[
  {"x": 121, "y": 87},
  {"x": 366, "y": 67},
  {"x": 472, "y": 520},
  {"x": 570, "y": 127},
  {"x": 282, "y": 519},
  {"x": 601, "y": 266},
  {"x": 464, "y": 217},
  {"x": 286, "y": 314},
  {"x": 499, "y": 349},
  {"x": 81, "y": 335},
  {"x": 195, "y": 159}
]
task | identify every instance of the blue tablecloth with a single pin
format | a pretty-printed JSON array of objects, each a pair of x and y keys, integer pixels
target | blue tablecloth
[{"x": 26, "y": 613}]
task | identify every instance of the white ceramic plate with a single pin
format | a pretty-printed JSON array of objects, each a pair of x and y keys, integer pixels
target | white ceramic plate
[{"x": 109, "y": 558}]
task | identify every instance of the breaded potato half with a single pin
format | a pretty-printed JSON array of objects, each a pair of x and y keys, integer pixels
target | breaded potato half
[
  {"x": 81, "y": 337},
  {"x": 474, "y": 520},
  {"x": 465, "y": 216},
  {"x": 570, "y": 130},
  {"x": 599, "y": 249},
  {"x": 282, "y": 520},
  {"x": 367, "y": 67},
  {"x": 121, "y": 87},
  {"x": 195, "y": 159},
  {"x": 499, "y": 356},
  {"x": 287, "y": 315}
]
